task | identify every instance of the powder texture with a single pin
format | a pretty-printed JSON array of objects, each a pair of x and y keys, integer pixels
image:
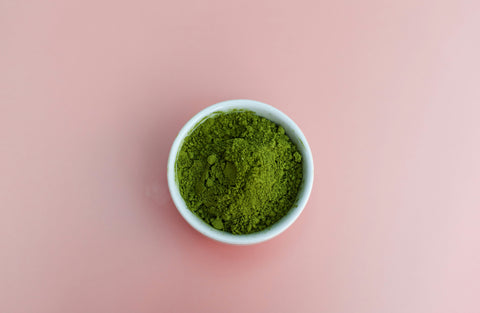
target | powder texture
[{"x": 239, "y": 172}]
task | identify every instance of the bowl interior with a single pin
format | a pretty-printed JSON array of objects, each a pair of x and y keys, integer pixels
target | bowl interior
[{"x": 297, "y": 137}]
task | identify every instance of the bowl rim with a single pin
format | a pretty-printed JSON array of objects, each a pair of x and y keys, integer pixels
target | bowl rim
[{"x": 291, "y": 129}]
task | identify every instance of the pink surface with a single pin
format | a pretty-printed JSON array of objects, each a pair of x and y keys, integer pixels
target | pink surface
[{"x": 92, "y": 94}]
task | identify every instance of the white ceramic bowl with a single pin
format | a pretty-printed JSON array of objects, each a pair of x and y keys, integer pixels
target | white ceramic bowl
[{"x": 295, "y": 134}]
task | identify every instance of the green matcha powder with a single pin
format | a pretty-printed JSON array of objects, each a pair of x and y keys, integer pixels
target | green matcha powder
[{"x": 239, "y": 172}]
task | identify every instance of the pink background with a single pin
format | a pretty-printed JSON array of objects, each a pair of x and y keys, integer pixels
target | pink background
[{"x": 92, "y": 94}]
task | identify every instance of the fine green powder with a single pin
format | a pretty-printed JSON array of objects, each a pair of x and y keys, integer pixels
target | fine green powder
[{"x": 239, "y": 172}]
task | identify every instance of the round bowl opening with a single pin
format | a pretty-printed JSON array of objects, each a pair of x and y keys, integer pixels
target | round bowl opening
[{"x": 297, "y": 137}]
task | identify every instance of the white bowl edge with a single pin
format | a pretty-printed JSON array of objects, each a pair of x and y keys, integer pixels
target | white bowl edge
[{"x": 295, "y": 134}]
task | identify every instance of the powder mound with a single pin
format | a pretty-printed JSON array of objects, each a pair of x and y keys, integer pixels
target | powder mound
[{"x": 239, "y": 172}]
